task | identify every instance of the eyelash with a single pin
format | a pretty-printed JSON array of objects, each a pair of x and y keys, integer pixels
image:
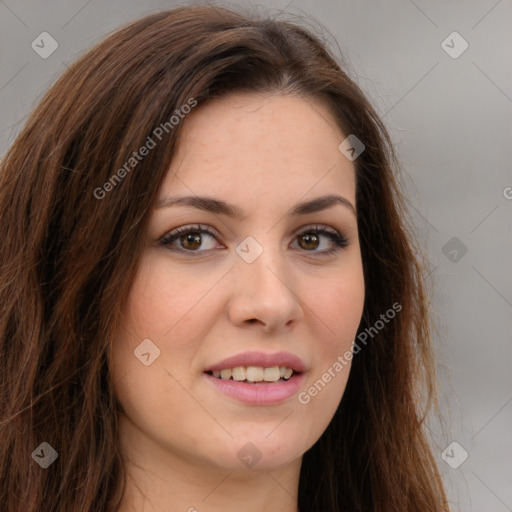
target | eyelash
[{"x": 340, "y": 241}]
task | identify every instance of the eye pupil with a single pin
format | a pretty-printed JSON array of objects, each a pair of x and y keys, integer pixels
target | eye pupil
[
  {"x": 192, "y": 239},
  {"x": 310, "y": 238}
]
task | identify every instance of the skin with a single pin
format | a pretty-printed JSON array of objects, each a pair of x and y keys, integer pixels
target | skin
[{"x": 179, "y": 434}]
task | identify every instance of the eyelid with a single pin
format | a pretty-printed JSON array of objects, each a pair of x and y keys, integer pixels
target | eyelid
[{"x": 316, "y": 227}]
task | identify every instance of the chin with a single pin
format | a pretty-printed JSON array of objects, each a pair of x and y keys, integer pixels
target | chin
[{"x": 264, "y": 450}]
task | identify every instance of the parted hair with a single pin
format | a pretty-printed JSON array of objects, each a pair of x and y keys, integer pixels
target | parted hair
[{"x": 68, "y": 258}]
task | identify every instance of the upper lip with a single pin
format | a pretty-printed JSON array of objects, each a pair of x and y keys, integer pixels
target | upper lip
[{"x": 263, "y": 359}]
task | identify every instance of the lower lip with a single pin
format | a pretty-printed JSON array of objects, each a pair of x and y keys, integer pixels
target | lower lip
[{"x": 258, "y": 394}]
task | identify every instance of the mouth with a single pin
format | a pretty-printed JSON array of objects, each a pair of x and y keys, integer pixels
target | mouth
[
  {"x": 258, "y": 378},
  {"x": 255, "y": 374}
]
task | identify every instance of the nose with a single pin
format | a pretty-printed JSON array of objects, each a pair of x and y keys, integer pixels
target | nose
[{"x": 265, "y": 292}]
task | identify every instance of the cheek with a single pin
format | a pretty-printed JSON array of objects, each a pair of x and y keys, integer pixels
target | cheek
[
  {"x": 170, "y": 307},
  {"x": 338, "y": 308},
  {"x": 151, "y": 394},
  {"x": 165, "y": 298}
]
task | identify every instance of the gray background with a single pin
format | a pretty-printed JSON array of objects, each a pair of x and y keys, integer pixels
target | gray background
[{"x": 451, "y": 119}]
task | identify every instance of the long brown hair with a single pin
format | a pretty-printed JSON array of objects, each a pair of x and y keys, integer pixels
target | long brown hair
[{"x": 69, "y": 253}]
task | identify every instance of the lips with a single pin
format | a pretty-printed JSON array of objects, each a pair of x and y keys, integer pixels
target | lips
[
  {"x": 269, "y": 392},
  {"x": 258, "y": 394}
]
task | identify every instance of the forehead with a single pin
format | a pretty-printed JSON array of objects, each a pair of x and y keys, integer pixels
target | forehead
[{"x": 261, "y": 145}]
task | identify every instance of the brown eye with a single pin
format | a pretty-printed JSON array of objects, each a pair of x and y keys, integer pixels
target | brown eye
[
  {"x": 311, "y": 241},
  {"x": 191, "y": 240}
]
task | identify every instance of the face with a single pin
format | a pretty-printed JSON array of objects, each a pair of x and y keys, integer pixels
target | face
[{"x": 277, "y": 285}]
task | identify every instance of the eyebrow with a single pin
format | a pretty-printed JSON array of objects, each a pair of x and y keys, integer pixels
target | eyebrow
[{"x": 217, "y": 206}]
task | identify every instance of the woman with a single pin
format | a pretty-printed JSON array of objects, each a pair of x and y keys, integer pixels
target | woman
[{"x": 210, "y": 300}]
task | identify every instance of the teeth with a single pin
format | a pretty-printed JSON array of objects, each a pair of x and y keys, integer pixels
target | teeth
[
  {"x": 239, "y": 373},
  {"x": 254, "y": 373},
  {"x": 271, "y": 374},
  {"x": 225, "y": 374}
]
